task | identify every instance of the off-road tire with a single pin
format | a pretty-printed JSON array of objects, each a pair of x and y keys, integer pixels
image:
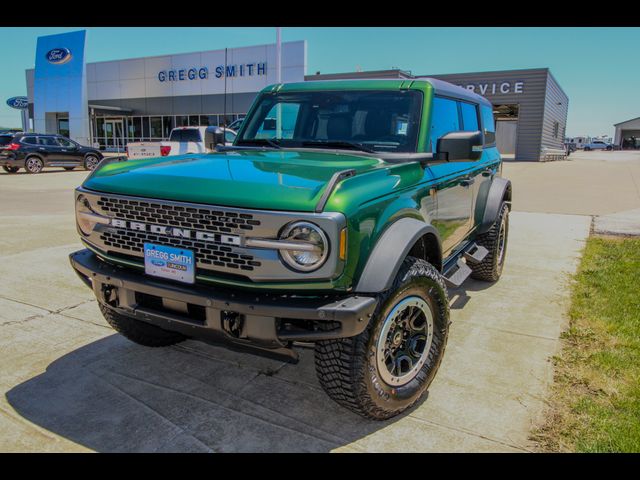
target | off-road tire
[
  {"x": 347, "y": 368},
  {"x": 490, "y": 269},
  {"x": 33, "y": 164},
  {"x": 10, "y": 169},
  {"x": 140, "y": 332}
]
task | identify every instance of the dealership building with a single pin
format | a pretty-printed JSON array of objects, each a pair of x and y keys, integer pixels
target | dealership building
[{"x": 115, "y": 102}]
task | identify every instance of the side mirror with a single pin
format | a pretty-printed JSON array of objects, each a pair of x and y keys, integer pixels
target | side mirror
[
  {"x": 459, "y": 146},
  {"x": 214, "y": 136}
]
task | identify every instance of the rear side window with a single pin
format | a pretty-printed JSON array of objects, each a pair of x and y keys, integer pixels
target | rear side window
[
  {"x": 488, "y": 124},
  {"x": 30, "y": 140},
  {"x": 469, "y": 117},
  {"x": 190, "y": 135},
  {"x": 444, "y": 119},
  {"x": 5, "y": 139}
]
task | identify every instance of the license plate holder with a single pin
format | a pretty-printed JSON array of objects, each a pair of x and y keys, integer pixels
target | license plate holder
[{"x": 168, "y": 262}]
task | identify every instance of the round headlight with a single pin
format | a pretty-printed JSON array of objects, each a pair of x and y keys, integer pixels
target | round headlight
[
  {"x": 84, "y": 221},
  {"x": 314, "y": 247}
]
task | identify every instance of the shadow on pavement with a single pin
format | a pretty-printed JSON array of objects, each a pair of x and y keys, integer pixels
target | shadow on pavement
[
  {"x": 112, "y": 395},
  {"x": 458, "y": 296}
]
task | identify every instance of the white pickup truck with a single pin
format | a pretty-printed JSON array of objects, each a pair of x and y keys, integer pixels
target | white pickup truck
[{"x": 183, "y": 140}]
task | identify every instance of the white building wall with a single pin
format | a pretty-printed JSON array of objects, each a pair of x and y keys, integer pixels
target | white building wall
[
  {"x": 630, "y": 125},
  {"x": 138, "y": 78}
]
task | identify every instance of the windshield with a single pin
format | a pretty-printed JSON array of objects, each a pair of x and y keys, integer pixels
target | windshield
[{"x": 380, "y": 121}]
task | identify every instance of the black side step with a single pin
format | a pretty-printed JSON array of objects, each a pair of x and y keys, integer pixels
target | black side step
[
  {"x": 456, "y": 275},
  {"x": 476, "y": 253},
  {"x": 460, "y": 271}
]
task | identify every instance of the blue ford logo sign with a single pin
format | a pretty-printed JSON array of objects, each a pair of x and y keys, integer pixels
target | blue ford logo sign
[
  {"x": 19, "y": 103},
  {"x": 58, "y": 56}
]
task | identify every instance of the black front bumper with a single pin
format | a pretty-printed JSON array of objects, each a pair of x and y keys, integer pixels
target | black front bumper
[{"x": 262, "y": 323}]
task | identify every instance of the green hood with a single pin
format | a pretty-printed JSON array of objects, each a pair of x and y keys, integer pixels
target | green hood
[{"x": 271, "y": 180}]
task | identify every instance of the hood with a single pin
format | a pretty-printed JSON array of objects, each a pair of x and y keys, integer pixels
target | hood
[{"x": 291, "y": 180}]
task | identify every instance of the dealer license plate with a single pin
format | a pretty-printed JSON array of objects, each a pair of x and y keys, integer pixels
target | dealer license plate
[{"x": 169, "y": 262}]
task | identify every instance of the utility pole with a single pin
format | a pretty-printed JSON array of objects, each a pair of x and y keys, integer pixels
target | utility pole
[{"x": 278, "y": 80}]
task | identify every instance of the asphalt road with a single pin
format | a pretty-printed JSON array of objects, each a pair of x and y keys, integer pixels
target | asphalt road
[{"x": 69, "y": 383}]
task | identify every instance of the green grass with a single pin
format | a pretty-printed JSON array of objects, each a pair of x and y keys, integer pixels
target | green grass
[{"x": 595, "y": 405}]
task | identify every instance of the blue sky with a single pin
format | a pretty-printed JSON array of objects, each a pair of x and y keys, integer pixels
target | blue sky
[{"x": 598, "y": 68}]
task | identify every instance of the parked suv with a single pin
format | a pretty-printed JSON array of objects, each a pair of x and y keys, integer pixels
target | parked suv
[
  {"x": 597, "y": 145},
  {"x": 34, "y": 151},
  {"x": 342, "y": 227}
]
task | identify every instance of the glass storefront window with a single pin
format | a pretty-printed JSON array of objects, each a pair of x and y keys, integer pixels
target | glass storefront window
[
  {"x": 182, "y": 121},
  {"x": 135, "y": 127},
  {"x": 227, "y": 119},
  {"x": 194, "y": 120},
  {"x": 167, "y": 126},
  {"x": 156, "y": 127},
  {"x": 145, "y": 127},
  {"x": 99, "y": 127},
  {"x": 212, "y": 119}
]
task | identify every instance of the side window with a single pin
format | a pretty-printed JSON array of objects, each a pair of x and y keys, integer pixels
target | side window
[
  {"x": 488, "y": 124},
  {"x": 30, "y": 140},
  {"x": 48, "y": 141},
  {"x": 63, "y": 142},
  {"x": 444, "y": 119},
  {"x": 469, "y": 117}
]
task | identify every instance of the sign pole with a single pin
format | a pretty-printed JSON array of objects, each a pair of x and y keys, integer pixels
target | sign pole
[{"x": 278, "y": 80}]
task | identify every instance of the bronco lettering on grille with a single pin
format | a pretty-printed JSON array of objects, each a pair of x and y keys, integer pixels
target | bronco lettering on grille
[{"x": 176, "y": 232}]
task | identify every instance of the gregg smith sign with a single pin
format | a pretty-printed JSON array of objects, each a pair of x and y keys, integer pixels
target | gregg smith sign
[
  {"x": 496, "y": 88},
  {"x": 202, "y": 73}
]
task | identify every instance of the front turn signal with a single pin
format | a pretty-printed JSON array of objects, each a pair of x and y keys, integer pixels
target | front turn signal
[{"x": 343, "y": 244}]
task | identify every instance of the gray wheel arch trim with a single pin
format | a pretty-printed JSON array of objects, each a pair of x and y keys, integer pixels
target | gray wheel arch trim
[
  {"x": 499, "y": 187},
  {"x": 390, "y": 251}
]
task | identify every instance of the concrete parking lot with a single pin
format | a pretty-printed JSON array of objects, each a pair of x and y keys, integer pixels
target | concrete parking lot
[{"x": 69, "y": 383}]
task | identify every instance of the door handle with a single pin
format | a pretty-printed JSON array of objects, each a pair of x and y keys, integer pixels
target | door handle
[{"x": 467, "y": 182}]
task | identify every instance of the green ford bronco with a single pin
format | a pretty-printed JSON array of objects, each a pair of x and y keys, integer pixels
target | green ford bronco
[{"x": 336, "y": 221}]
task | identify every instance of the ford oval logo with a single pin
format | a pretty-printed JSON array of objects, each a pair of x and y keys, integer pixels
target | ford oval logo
[
  {"x": 20, "y": 103},
  {"x": 58, "y": 56}
]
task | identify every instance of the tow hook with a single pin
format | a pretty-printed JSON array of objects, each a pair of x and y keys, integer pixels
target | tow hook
[{"x": 109, "y": 294}]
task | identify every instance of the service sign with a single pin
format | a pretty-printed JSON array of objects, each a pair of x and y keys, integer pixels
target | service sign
[
  {"x": 58, "y": 56},
  {"x": 19, "y": 103}
]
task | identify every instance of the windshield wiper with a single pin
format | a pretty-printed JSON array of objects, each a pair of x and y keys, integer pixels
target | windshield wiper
[
  {"x": 260, "y": 141},
  {"x": 338, "y": 143}
]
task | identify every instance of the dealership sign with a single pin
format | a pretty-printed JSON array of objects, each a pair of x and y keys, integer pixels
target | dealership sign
[
  {"x": 202, "y": 73},
  {"x": 496, "y": 88},
  {"x": 19, "y": 103},
  {"x": 58, "y": 56}
]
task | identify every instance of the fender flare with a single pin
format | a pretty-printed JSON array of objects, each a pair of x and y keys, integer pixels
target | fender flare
[
  {"x": 390, "y": 251},
  {"x": 497, "y": 192}
]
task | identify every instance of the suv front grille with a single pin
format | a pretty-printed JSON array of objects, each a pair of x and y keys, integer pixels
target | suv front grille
[
  {"x": 206, "y": 219},
  {"x": 207, "y": 254}
]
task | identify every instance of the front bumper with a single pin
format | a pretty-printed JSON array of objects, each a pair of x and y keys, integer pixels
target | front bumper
[{"x": 264, "y": 324}]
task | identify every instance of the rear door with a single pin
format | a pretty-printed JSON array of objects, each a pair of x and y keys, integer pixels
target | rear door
[
  {"x": 50, "y": 150},
  {"x": 480, "y": 117}
]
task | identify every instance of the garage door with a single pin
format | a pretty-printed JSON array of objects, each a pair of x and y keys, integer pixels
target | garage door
[{"x": 506, "y": 133}]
